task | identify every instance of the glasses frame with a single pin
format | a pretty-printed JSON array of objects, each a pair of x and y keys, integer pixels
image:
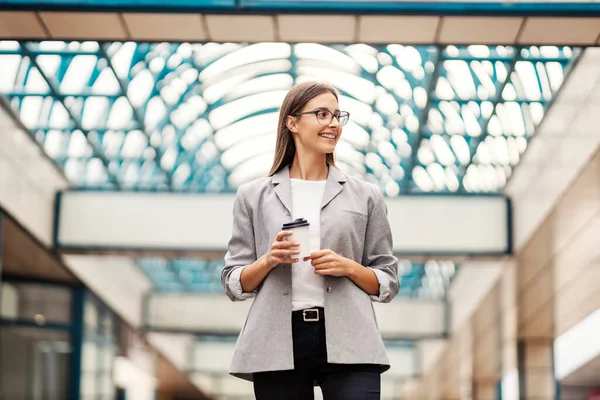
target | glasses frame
[{"x": 333, "y": 115}]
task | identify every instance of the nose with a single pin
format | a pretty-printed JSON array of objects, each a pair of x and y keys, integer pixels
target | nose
[{"x": 335, "y": 122}]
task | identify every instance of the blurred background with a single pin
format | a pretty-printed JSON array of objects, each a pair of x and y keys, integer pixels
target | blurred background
[{"x": 126, "y": 128}]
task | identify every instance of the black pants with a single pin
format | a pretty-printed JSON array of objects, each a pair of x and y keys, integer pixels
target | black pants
[{"x": 337, "y": 381}]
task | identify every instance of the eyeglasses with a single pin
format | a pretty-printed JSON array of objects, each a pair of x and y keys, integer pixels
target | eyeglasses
[{"x": 325, "y": 117}]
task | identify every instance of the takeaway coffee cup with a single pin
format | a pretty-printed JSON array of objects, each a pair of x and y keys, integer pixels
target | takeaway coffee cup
[{"x": 300, "y": 234}]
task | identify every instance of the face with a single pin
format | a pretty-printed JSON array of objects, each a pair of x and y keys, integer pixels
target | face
[{"x": 311, "y": 131}]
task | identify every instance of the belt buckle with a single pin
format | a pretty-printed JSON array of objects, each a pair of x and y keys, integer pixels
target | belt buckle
[{"x": 309, "y": 319}]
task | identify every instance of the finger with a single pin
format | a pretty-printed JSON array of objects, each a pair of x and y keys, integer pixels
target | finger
[
  {"x": 328, "y": 271},
  {"x": 283, "y": 253},
  {"x": 281, "y": 235},
  {"x": 284, "y": 245},
  {"x": 323, "y": 259},
  {"x": 319, "y": 253},
  {"x": 281, "y": 260},
  {"x": 317, "y": 260},
  {"x": 326, "y": 265}
]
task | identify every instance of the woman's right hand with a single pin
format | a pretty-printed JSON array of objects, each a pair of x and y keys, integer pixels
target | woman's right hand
[{"x": 282, "y": 251}]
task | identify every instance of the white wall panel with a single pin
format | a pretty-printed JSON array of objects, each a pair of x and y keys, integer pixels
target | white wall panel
[
  {"x": 448, "y": 224},
  {"x": 144, "y": 220},
  {"x": 576, "y": 347},
  {"x": 9, "y": 301},
  {"x": 404, "y": 318},
  {"x": 403, "y": 362},
  {"x": 202, "y": 222},
  {"x": 214, "y": 357},
  {"x": 196, "y": 312},
  {"x": 138, "y": 383},
  {"x": 116, "y": 280},
  {"x": 28, "y": 179},
  {"x": 174, "y": 347},
  {"x": 399, "y": 319}
]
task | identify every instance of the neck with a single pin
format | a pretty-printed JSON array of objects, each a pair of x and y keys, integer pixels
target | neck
[{"x": 309, "y": 167}]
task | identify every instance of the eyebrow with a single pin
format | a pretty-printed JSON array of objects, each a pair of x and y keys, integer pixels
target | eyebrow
[{"x": 325, "y": 108}]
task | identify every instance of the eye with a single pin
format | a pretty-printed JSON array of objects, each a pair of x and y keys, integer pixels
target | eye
[{"x": 322, "y": 114}]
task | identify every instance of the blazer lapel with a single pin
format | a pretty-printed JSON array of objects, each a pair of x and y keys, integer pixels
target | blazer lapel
[
  {"x": 283, "y": 187},
  {"x": 334, "y": 185}
]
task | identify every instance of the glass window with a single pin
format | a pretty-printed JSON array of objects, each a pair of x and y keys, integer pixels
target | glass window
[
  {"x": 89, "y": 361},
  {"x": 34, "y": 363},
  {"x": 106, "y": 386},
  {"x": 91, "y": 316},
  {"x": 202, "y": 117},
  {"x": 35, "y": 302},
  {"x": 108, "y": 326},
  {"x": 100, "y": 349}
]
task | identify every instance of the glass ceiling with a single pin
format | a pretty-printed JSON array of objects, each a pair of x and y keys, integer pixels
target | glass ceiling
[
  {"x": 417, "y": 281},
  {"x": 201, "y": 117}
]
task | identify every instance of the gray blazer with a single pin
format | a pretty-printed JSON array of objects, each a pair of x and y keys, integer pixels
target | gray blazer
[{"x": 354, "y": 224}]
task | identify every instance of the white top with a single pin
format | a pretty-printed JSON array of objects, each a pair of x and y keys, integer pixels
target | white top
[{"x": 308, "y": 289}]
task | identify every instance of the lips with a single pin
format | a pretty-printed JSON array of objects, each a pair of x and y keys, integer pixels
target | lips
[{"x": 330, "y": 136}]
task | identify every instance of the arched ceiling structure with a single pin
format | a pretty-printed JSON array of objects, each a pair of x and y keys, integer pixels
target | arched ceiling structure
[{"x": 202, "y": 117}]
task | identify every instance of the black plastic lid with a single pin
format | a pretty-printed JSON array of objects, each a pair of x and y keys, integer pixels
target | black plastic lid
[{"x": 295, "y": 224}]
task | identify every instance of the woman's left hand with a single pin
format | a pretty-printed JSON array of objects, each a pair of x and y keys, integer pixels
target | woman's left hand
[{"x": 328, "y": 262}]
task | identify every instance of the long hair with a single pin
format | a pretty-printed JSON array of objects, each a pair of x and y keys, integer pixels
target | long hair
[{"x": 295, "y": 100}]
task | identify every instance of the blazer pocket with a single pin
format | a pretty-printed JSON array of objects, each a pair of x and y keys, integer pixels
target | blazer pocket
[{"x": 357, "y": 213}]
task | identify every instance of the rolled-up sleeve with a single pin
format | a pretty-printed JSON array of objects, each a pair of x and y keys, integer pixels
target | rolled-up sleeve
[
  {"x": 378, "y": 251},
  {"x": 240, "y": 250}
]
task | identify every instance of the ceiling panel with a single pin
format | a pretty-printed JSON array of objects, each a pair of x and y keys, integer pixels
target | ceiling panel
[
  {"x": 240, "y": 28},
  {"x": 17, "y": 25},
  {"x": 166, "y": 26},
  {"x": 317, "y": 28},
  {"x": 560, "y": 31},
  {"x": 24, "y": 257},
  {"x": 397, "y": 29},
  {"x": 65, "y": 25},
  {"x": 479, "y": 30}
]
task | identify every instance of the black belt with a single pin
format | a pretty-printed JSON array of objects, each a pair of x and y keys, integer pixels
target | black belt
[{"x": 315, "y": 314}]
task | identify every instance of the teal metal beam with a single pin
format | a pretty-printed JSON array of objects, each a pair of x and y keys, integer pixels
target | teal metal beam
[
  {"x": 21, "y": 94},
  {"x": 137, "y": 116},
  {"x": 424, "y": 117},
  {"x": 112, "y": 179},
  {"x": 479, "y": 101}
]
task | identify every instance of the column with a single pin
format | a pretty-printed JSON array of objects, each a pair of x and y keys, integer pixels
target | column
[
  {"x": 1, "y": 248},
  {"x": 536, "y": 372},
  {"x": 535, "y": 315},
  {"x": 487, "y": 344}
]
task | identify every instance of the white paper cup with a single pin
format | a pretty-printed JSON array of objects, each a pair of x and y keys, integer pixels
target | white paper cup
[{"x": 300, "y": 234}]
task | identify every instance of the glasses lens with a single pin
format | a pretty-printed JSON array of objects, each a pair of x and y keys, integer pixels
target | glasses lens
[
  {"x": 324, "y": 117},
  {"x": 344, "y": 117}
]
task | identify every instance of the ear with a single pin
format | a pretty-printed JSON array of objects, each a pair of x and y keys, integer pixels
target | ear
[{"x": 291, "y": 123}]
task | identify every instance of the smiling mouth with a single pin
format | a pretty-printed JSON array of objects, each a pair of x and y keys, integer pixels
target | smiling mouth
[{"x": 329, "y": 136}]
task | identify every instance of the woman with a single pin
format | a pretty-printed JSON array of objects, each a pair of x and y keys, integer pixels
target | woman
[{"x": 312, "y": 319}]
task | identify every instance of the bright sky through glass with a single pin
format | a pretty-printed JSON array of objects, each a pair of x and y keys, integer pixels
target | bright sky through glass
[{"x": 202, "y": 117}]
